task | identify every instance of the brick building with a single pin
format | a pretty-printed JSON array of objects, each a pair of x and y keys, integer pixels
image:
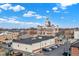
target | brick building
[
  {"x": 68, "y": 33},
  {"x": 75, "y": 49}
]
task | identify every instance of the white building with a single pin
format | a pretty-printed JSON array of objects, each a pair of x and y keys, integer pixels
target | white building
[
  {"x": 33, "y": 44},
  {"x": 76, "y": 34},
  {"x": 48, "y": 29}
]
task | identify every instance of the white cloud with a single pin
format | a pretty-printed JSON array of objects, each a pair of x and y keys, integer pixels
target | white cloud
[
  {"x": 14, "y": 21},
  {"x": 17, "y": 8},
  {"x": 29, "y": 14},
  {"x": 63, "y": 4},
  {"x": 33, "y": 14},
  {"x": 5, "y": 6},
  {"x": 38, "y": 16},
  {"x": 2, "y": 19},
  {"x": 66, "y": 3},
  {"x": 10, "y": 7},
  {"x": 47, "y": 11},
  {"x": 55, "y": 8}
]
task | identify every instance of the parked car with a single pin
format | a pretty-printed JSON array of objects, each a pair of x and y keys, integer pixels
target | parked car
[
  {"x": 46, "y": 49},
  {"x": 17, "y": 54},
  {"x": 57, "y": 45},
  {"x": 66, "y": 54},
  {"x": 52, "y": 48}
]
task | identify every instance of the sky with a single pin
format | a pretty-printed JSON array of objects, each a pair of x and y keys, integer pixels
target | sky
[{"x": 26, "y": 15}]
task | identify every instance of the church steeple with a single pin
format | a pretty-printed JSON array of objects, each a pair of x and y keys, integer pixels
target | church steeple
[{"x": 47, "y": 22}]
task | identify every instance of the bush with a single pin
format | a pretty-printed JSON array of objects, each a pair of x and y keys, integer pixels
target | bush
[
  {"x": 65, "y": 53},
  {"x": 7, "y": 54}
]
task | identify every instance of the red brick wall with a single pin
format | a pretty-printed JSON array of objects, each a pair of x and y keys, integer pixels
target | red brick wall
[{"x": 74, "y": 51}]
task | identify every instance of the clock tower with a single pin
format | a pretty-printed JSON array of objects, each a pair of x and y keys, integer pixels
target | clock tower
[{"x": 47, "y": 23}]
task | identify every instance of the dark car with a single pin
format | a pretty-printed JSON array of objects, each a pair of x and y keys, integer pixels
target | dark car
[
  {"x": 66, "y": 54},
  {"x": 52, "y": 48},
  {"x": 46, "y": 49},
  {"x": 57, "y": 45}
]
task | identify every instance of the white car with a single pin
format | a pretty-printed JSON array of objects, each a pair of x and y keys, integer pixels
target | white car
[{"x": 55, "y": 46}]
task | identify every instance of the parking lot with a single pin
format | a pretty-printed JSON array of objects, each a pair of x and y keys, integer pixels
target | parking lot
[
  {"x": 59, "y": 51},
  {"x": 56, "y": 52}
]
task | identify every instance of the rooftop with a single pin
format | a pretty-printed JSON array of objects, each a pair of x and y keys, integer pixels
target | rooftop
[
  {"x": 33, "y": 40},
  {"x": 75, "y": 44}
]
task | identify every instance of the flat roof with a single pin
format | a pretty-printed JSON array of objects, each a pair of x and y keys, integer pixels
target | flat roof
[
  {"x": 33, "y": 40},
  {"x": 75, "y": 44}
]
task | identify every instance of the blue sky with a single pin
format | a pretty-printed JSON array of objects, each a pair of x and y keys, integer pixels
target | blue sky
[{"x": 25, "y": 15}]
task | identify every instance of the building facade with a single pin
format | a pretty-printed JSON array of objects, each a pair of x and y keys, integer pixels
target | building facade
[
  {"x": 76, "y": 34},
  {"x": 47, "y": 29},
  {"x": 67, "y": 32},
  {"x": 33, "y": 45},
  {"x": 8, "y": 36},
  {"x": 75, "y": 49}
]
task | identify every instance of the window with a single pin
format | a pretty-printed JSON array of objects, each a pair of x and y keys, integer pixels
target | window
[
  {"x": 9, "y": 45},
  {"x": 6, "y": 39},
  {"x": 18, "y": 45}
]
